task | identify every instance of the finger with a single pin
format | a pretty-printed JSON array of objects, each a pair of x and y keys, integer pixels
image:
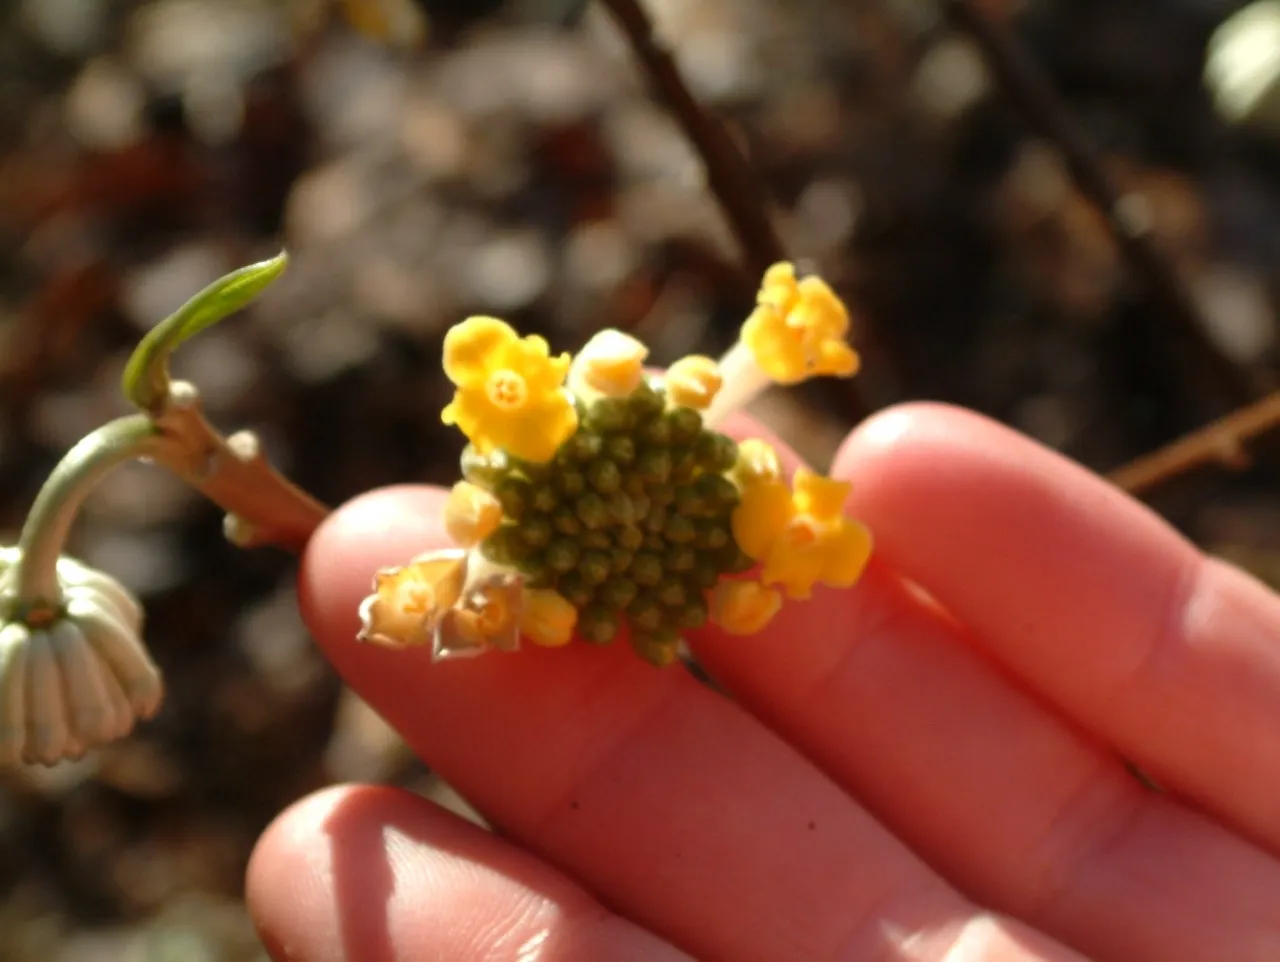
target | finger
[
  {"x": 997, "y": 793},
  {"x": 363, "y": 874},
  {"x": 665, "y": 799},
  {"x": 1088, "y": 597}
]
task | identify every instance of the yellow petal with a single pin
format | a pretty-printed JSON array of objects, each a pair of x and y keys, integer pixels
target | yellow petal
[
  {"x": 795, "y": 562},
  {"x": 821, "y": 498},
  {"x": 611, "y": 363},
  {"x": 547, "y": 618},
  {"x": 757, "y": 461},
  {"x": 743, "y": 607},
  {"x": 471, "y": 514},
  {"x": 847, "y": 551},
  {"x": 836, "y": 359},
  {"x": 776, "y": 349},
  {"x": 408, "y": 601},
  {"x": 693, "y": 382},
  {"x": 471, "y": 345},
  {"x": 761, "y": 516}
]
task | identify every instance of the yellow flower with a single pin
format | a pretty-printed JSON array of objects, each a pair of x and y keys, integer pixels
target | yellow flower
[
  {"x": 693, "y": 381},
  {"x": 547, "y": 618},
  {"x": 471, "y": 514},
  {"x": 510, "y": 391},
  {"x": 802, "y": 537},
  {"x": 407, "y": 602},
  {"x": 611, "y": 363},
  {"x": 798, "y": 329},
  {"x": 744, "y": 607},
  {"x": 757, "y": 461}
]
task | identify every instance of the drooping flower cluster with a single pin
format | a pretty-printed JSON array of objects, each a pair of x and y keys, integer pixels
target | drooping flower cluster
[{"x": 599, "y": 501}]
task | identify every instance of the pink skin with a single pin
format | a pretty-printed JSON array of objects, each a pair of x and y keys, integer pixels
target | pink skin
[{"x": 926, "y": 767}]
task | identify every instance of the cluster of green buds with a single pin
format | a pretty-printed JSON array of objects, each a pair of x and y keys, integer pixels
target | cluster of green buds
[{"x": 599, "y": 501}]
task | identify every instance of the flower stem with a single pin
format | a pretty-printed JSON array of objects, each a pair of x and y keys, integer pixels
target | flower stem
[
  {"x": 45, "y": 531},
  {"x": 743, "y": 381}
]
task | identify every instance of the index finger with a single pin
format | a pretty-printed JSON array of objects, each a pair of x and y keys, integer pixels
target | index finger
[{"x": 1086, "y": 595}]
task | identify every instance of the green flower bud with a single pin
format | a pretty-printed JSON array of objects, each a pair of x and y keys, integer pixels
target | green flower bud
[
  {"x": 646, "y": 568},
  {"x": 684, "y": 467},
  {"x": 545, "y": 498},
  {"x": 653, "y": 465},
  {"x": 617, "y": 593},
  {"x": 692, "y": 614},
  {"x": 622, "y": 559},
  {"x": 574, "y": 590},
  {"x": 595, "y": 567},
  {"x": 620, "y": 450},
  {"x": 565, "y": 520},
  {"x": 562, "y": 555},
  {"x": 657, "y": 433},
  {"x": 598, "y": 540},
  {"x": 686, "y": 425},
  {"x": 504, "y": 546},
  {"x": 630, "y": 538},
  {"x": 662, "y": 494},
  {"x": 645, "y": 614},
  {"x": 597, "y": 625},
  {"x": 621, "y": 508},
  {"x": 536, "y": 572},
  {"x": 661, "y": 648},
  {"x": 671, "y": 593},
  {"x": 656, "y": 520},
  {"x": 715, "y": 452},
  {"x": 689, "y": 501},
  {"x": 515, "y": 495},
  {"x": 655, "y": 542},
  {"x": 609, "y": 415},
  {"x": 604, "y": 476},
  {"x": 717, "y": 492},
  {"x": 646, "y": 401},
  {"x": 591, "y": 511},
  {"x": 680, "y": 559},
  {"x": 571, "y": 482},
  {"x": 633, "y": 484},
  {"x": 582, "y": 446},
  {"x": 486, "y": 470},
  {"x": 536, "y": 531},
  {"x": 679, "y": 529},
  {"x": 712, "y": 535}
]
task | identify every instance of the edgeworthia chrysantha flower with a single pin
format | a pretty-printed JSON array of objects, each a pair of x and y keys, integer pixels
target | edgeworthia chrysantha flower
[
  {"x": 80, "y": 678},
  {"x": 599, "y": 502}
]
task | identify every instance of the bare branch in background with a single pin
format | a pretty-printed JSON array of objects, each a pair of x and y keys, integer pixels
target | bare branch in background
[
  {"x": 1222, "y": 442},
  {"x": 738, "y": 190},
  {"x": 1032, "y": 92}
]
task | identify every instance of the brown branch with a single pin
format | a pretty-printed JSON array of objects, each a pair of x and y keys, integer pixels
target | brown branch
[
  {"x": 1032, "y": 92},
  {"x": 730, "y": 177},
  {"x": 1222, "y": 442},
  {"x": 263, "y": 508}
]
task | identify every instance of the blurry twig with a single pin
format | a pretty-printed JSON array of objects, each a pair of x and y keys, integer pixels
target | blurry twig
[
  {"x": 1032, "y": 92},
  {"x": 1221, "y": 442},
  {"x": 741, "y": 196}
]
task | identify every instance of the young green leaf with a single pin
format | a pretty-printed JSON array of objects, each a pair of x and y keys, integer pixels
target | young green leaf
[{"x": 146, "y": 376}]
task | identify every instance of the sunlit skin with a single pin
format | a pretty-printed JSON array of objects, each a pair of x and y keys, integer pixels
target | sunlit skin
[{"x": 927, "y": 766}]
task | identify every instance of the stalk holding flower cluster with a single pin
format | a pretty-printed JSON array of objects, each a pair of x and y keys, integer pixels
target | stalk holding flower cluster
[{"x": 599, "y": 502}]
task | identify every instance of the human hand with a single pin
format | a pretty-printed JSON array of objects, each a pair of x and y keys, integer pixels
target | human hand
[{"x": 898, "y": 778}]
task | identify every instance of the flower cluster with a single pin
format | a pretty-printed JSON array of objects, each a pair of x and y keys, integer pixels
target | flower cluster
[{"x": 599, "y": 501}]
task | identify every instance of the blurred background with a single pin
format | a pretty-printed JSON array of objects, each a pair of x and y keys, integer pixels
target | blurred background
[{"x": 508, "y": 159}]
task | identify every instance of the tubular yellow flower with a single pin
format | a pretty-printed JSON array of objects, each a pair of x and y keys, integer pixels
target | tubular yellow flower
[
  {"x": 801, "y": 536},
  {"x": 744, "y": 607},
  {"x": 547, "y": 618},
  {"x": 693, "y": 381},
  {"x": 757, "y": 461},
  {"x": 471, "y": 514},
  {"x": 611, "y": 363},
  {"x": 798, "y": 328},
  {"x": 510, "y": 392},
  {"x": 408, "y": 602}
]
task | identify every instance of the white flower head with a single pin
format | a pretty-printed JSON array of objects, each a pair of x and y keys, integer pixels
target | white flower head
[{"x": 79, "y": 681}]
